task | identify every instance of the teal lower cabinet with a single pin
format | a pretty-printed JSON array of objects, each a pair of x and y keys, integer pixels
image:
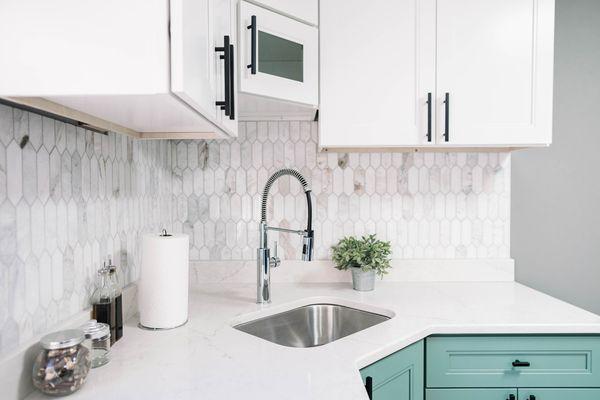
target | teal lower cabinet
[
  {"x": 399, "y": 376},
  {"x": 513, "y": 361},
  {"x": 524, "y": 367},
  {"x": 488, "y": 367},
  {"x": 559, "y": 394},
  {"x": 472, "y": 394}
]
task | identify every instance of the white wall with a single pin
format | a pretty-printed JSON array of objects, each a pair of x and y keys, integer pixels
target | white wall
[{"x": 555, "y": 234}]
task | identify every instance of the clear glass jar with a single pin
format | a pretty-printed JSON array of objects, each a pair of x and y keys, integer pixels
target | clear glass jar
[
  {"x": 97, "y": 340},
  {"x": 63, "y": 364}
]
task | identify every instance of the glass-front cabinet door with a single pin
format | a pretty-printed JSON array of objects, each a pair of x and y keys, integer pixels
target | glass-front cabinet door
[{"x": 279, "y": 56}]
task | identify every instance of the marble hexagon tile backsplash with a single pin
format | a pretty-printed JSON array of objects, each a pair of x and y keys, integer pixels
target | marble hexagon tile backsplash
[
  {"x": 429, "y": 205},
  {"x": 68, "y": 198}
]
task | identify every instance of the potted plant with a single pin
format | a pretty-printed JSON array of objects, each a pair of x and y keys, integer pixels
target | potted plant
[{"x": 365, "y": 257}]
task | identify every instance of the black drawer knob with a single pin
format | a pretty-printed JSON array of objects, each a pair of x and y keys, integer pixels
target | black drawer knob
[{"x": 518, "y": 363}]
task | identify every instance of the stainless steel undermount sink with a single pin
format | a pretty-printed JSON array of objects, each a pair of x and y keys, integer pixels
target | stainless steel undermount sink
[{"x": 311, "y": 325}]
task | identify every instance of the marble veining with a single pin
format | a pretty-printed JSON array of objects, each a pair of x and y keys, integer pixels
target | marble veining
[
  {"x": 68, "y": 198},
  {"x": 429, "y": 205},
  {"x": 209, "y": 358}
]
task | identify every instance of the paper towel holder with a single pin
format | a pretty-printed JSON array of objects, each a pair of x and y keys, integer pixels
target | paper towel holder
[
  {"x": 163, "y": 299},
  {"x": 164, "y": 233},
  {"x": 147, "y": 328}
]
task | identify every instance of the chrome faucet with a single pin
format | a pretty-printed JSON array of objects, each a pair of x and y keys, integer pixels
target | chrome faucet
[{"x": 264, "y": 260}]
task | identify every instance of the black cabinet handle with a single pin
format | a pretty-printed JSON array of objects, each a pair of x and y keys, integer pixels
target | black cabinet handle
[
  {"x": 231, "y": 83},
  {"x": 225, "y": 104},
  {"x": 429, "y": 117},
  {"x": 531, "y": 397},
  {"x": 369, "y": 387},
  {"x": 511, "y": 397},
  {"x": 447, "y": 118},
  {"x": 252, "y": 28},
  {"x": 518, "y": 363}
]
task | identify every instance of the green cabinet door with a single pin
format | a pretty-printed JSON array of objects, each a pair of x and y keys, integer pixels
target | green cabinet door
[
  {"x": 559, "y": 394},
  {"x": 472, "y": 394},
  {"x": 399, "y": 376}
]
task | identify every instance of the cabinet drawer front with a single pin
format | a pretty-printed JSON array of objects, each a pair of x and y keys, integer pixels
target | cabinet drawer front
[
  {"x": 487, "y": 361},
  {"x": 471, "y": 394},
  {"x": 559, "y": 394}
]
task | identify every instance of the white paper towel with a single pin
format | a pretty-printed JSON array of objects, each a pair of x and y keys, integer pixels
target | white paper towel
[{"x": 164, "y": 277}]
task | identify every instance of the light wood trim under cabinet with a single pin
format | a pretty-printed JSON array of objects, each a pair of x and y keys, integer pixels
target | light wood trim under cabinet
[
  {"x": 90, "y": 122},
  {"x": 51, "y": 107},
  {"x": 179, "y": 135},
  {"x": 429, "y": 149}
]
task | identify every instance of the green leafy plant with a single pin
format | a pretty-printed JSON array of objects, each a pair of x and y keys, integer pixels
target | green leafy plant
[{"x": 367, "y": 253}]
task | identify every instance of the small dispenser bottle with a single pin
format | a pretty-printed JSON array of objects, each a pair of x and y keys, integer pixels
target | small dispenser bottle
[
  {"x": 103, "y": 301},
  {"x": 115, "y": 280}
]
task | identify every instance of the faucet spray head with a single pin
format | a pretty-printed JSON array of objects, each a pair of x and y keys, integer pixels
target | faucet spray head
[{"x": 307, "y": 245}]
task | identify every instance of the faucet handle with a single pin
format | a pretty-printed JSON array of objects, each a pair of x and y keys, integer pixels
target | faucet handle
[{"x": 275, "y": 261}]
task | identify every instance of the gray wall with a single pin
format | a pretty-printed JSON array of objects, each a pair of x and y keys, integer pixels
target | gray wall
[{"x": 555, "y": 229}]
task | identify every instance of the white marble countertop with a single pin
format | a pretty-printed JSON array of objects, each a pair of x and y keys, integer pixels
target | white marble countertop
[{"x": 208, "y": 359}]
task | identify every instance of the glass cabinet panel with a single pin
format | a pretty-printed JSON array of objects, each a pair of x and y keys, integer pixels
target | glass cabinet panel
[{"x": 280, "y": 57}]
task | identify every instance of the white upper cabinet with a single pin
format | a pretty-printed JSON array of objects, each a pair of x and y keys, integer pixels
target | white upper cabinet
[
  {"x": 225, "y": 63},
  {"x": 495, "y": 60},
  {"x": 491, "y": 59},
  {"x": 279, "y": 56},
  {"x": 303, "y": 10},
  {"x": 146, "y": 67},
  {"x": 377, "y": 73},
  {"x": 193, "y": 70}
]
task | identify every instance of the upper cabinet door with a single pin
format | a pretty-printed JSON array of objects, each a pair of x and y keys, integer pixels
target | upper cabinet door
[
  {"x": 495, "y": 61},
  {"x": 193, "y": 54},
  {"x": 304, "y": 10},
  {"x": 224, "y": 31},
  {"x": 279, "y": 56},
  {"x": 377, "y": 68}
]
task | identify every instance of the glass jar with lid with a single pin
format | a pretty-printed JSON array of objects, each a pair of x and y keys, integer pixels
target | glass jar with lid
[
  {"x": 97, "y": 340},
  {"x": 63, "y": 364}
]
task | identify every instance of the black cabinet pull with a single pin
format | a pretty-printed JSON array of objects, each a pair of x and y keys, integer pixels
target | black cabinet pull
[
  {"x": 447, "y": 118},
  {"x": 531, "y": 397},
  {"x": 369, "y": 387},
  {"x": 511, "y": 397},
  {"x": 429, "y": 117},
  {"x": 518, "y": 363},
  {"x": 225, "y": 104},
  {"x": 252, "y": 28},
  {"x": 231, "y": 83}
]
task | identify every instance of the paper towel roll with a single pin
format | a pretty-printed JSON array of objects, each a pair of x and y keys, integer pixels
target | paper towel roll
[{"x": 164, "y": 277}]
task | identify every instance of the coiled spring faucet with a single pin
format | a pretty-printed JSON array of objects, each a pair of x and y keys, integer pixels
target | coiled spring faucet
[{"x": 264, "y": 260}]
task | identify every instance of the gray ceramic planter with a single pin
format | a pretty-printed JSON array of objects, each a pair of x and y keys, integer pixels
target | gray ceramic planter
[{"x": 363, "y": 280}]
